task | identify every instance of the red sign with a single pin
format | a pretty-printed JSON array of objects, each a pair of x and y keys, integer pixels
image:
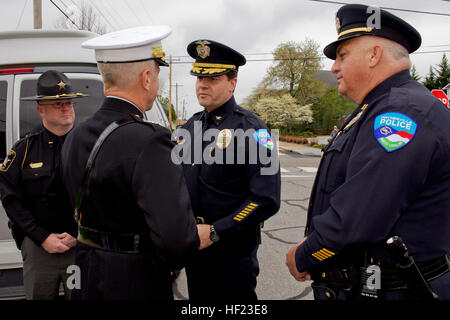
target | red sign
[{"x": 440, "y": 94}]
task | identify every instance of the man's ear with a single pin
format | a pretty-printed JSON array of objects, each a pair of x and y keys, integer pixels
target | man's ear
[
  {"x": 233, "y": 83},
  {"x": 375, "y": 54},
  {"x": 145, "y": 78}
]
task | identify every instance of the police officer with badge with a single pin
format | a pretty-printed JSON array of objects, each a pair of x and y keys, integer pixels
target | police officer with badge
[
  {"x": 131, "y": 203},
  {"x": 384, "y": 177},
  {"x": 33, "y": 194},
  {"x": 232, "y": 172}
]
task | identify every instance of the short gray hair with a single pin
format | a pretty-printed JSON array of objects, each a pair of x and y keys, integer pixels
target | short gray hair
[{"x": 123, "y": 75}]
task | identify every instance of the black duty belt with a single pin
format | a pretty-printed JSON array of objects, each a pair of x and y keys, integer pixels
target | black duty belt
[
  {"x": 431, "y": 269},
  {"x": 391, "y": 278},
  {"x": 118, "y": 242}
]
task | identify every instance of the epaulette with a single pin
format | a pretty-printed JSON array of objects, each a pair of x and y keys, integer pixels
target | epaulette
[
  {"x": 27, "y": 136},
  {"x": 195, "y": 116},
  {"x": 249, "y": 116}
]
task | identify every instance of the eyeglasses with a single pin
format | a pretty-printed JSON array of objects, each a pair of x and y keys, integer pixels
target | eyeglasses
[{"x": 60, "y": 104}]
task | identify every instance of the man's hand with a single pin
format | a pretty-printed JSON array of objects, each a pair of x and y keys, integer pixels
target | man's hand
[
  {"x": 203, "y": 234},
  {"x": 292, "y": 266},
  {"x": 68, "y": 240},
  {"x": 54, "y": 244}
]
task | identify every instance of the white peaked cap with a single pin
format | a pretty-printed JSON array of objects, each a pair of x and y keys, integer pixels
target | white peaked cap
[{"x": 130, "y": 45}]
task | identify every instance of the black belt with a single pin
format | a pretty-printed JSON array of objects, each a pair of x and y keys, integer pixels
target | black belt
[
  {"x": 391, "y": 278},
  {"x": 118, "y": 242}
]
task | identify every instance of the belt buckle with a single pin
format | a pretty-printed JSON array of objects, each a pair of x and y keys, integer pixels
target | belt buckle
[{"x": 200, "y": 220}]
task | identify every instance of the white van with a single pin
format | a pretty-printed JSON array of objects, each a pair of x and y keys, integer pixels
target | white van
[{"x": 24, "y": 56}]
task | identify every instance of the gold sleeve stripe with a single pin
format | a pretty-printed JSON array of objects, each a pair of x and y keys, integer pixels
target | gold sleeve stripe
[
  {"x": 323, "y": 254},
  {"x": 246, "y": 211}
]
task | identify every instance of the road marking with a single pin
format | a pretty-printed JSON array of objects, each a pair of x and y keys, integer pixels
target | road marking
[{"x": 283, "y": 170}]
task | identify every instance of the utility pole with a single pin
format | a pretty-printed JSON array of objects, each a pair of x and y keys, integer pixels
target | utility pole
[
  {"x": 176, "y": 103},
  {"x": 37, "y": 14},
  {"x": 170, "y": 93}
]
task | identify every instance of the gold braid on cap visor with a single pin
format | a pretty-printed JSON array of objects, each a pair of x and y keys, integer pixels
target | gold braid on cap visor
[
  {"x": 210, "y": 68},
  {"x": 343, "y": 33}
]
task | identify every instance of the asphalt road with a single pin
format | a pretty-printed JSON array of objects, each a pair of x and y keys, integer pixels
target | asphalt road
[{"x": 280, "y": 233}]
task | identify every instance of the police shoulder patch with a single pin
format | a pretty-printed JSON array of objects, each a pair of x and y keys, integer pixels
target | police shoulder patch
[
  {"x": 262, "y": 136},
  {"x": 8, "y": 161},
  {"x": 394, "y": 130}
]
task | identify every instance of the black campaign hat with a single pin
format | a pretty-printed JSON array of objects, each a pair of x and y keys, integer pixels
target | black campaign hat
[
  {"x": 213, "y": 58},
  {"x": 54, "y": 85},
  {"x": 354, "y": 20}
]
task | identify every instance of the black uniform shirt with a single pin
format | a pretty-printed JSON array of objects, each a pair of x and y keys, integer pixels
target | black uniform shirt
[
  {"x": 386, "y": 174},
  {"x": 232, "y": 193},
  {"x": 134, "y": 187},
  {"x": 31, "y": 189}
]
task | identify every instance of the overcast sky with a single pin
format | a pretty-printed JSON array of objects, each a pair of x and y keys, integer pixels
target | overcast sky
[{"x": 252, "y": 27}]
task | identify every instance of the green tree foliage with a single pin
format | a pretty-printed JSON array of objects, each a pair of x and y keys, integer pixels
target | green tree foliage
[
  {"x": 165, "y": 104},
  {"x": 443, "y": 73},
  {"x": 330, "y": 111},
  {"x": 294, "y": 71},
  {"x": 439, "y": 76},
  {"x": 414, "y": 74}
]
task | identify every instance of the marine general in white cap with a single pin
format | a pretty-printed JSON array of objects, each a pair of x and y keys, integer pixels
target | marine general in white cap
[{"x": 130, "y": 45}]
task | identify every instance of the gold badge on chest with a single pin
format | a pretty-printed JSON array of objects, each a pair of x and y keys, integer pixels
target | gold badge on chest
[{"x": 224, "y": 138}]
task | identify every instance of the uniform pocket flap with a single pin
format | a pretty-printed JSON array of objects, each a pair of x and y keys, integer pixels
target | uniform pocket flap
[{"x": 35, "y": 173}]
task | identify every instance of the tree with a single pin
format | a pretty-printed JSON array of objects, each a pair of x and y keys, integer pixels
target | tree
[
  {"x": 165, "y": 104},
  {"x": 414, "y": 74},
  {"x": 84, "y": 18},
  {"x": 330, "y": 110},
  {"x": 283, "y": 111},
  {"x": 294, "y": 71},
  {"x": 430, "y": 80},
  {"x": 438, "y": 77},
  {"x": 443, "y": 73}
]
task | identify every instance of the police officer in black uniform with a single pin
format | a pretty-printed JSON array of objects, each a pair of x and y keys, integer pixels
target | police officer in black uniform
[
  {"x": 34, "y": 196},
  {"x": 133, "y": 208},
  {"x": 232, "y": 172},
  {"x": 385, "y": 174}
]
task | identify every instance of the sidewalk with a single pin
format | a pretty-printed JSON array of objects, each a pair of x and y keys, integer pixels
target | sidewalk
[{"x": 303, "y": 149}]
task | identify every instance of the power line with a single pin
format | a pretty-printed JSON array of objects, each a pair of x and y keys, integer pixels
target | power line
[
  {"x": 132, "y": 11},
  {"x": 101, "y": 13},
  {"x": 394, "y": 9},
  {"x": 114, "y": 10},
  {"x": 65, "y": 15},
  {"x": 21, "y": 14}
]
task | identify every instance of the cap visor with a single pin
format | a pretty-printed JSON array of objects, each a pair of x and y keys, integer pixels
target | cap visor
[{"x": 67, "y": 96}]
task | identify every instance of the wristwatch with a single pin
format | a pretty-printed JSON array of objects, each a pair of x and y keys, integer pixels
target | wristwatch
[{"x": 213, "y": 234}]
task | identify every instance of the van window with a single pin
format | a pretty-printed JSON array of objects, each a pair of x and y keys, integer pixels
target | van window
[
  {"x": 3, "y": 90},
  {"x": 30, "y": 121}
]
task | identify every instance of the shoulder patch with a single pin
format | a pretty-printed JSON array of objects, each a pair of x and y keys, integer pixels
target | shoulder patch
[
  {"x": 8, "y": 161},
  {"x": 394, "y": 130},
  {"x": 262, "y": 136}
]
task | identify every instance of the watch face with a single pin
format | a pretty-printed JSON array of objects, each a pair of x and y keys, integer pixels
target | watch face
[{"x": 213, "y": 235}]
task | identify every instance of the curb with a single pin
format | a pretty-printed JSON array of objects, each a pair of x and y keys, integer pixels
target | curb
[{"x": 311, "y": 153}]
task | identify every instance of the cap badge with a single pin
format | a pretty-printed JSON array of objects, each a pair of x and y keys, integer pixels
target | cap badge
[
  {"x": 61, "y": 85},
  {"x": 202, "y": 48},
  {"x": 224, "y": 138},
  {"x": 157, "y": 52},
  {"x": 338, "y": 25}
]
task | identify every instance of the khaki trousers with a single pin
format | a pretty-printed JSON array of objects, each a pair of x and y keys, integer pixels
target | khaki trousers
[{"x": 43, "y": 272}]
